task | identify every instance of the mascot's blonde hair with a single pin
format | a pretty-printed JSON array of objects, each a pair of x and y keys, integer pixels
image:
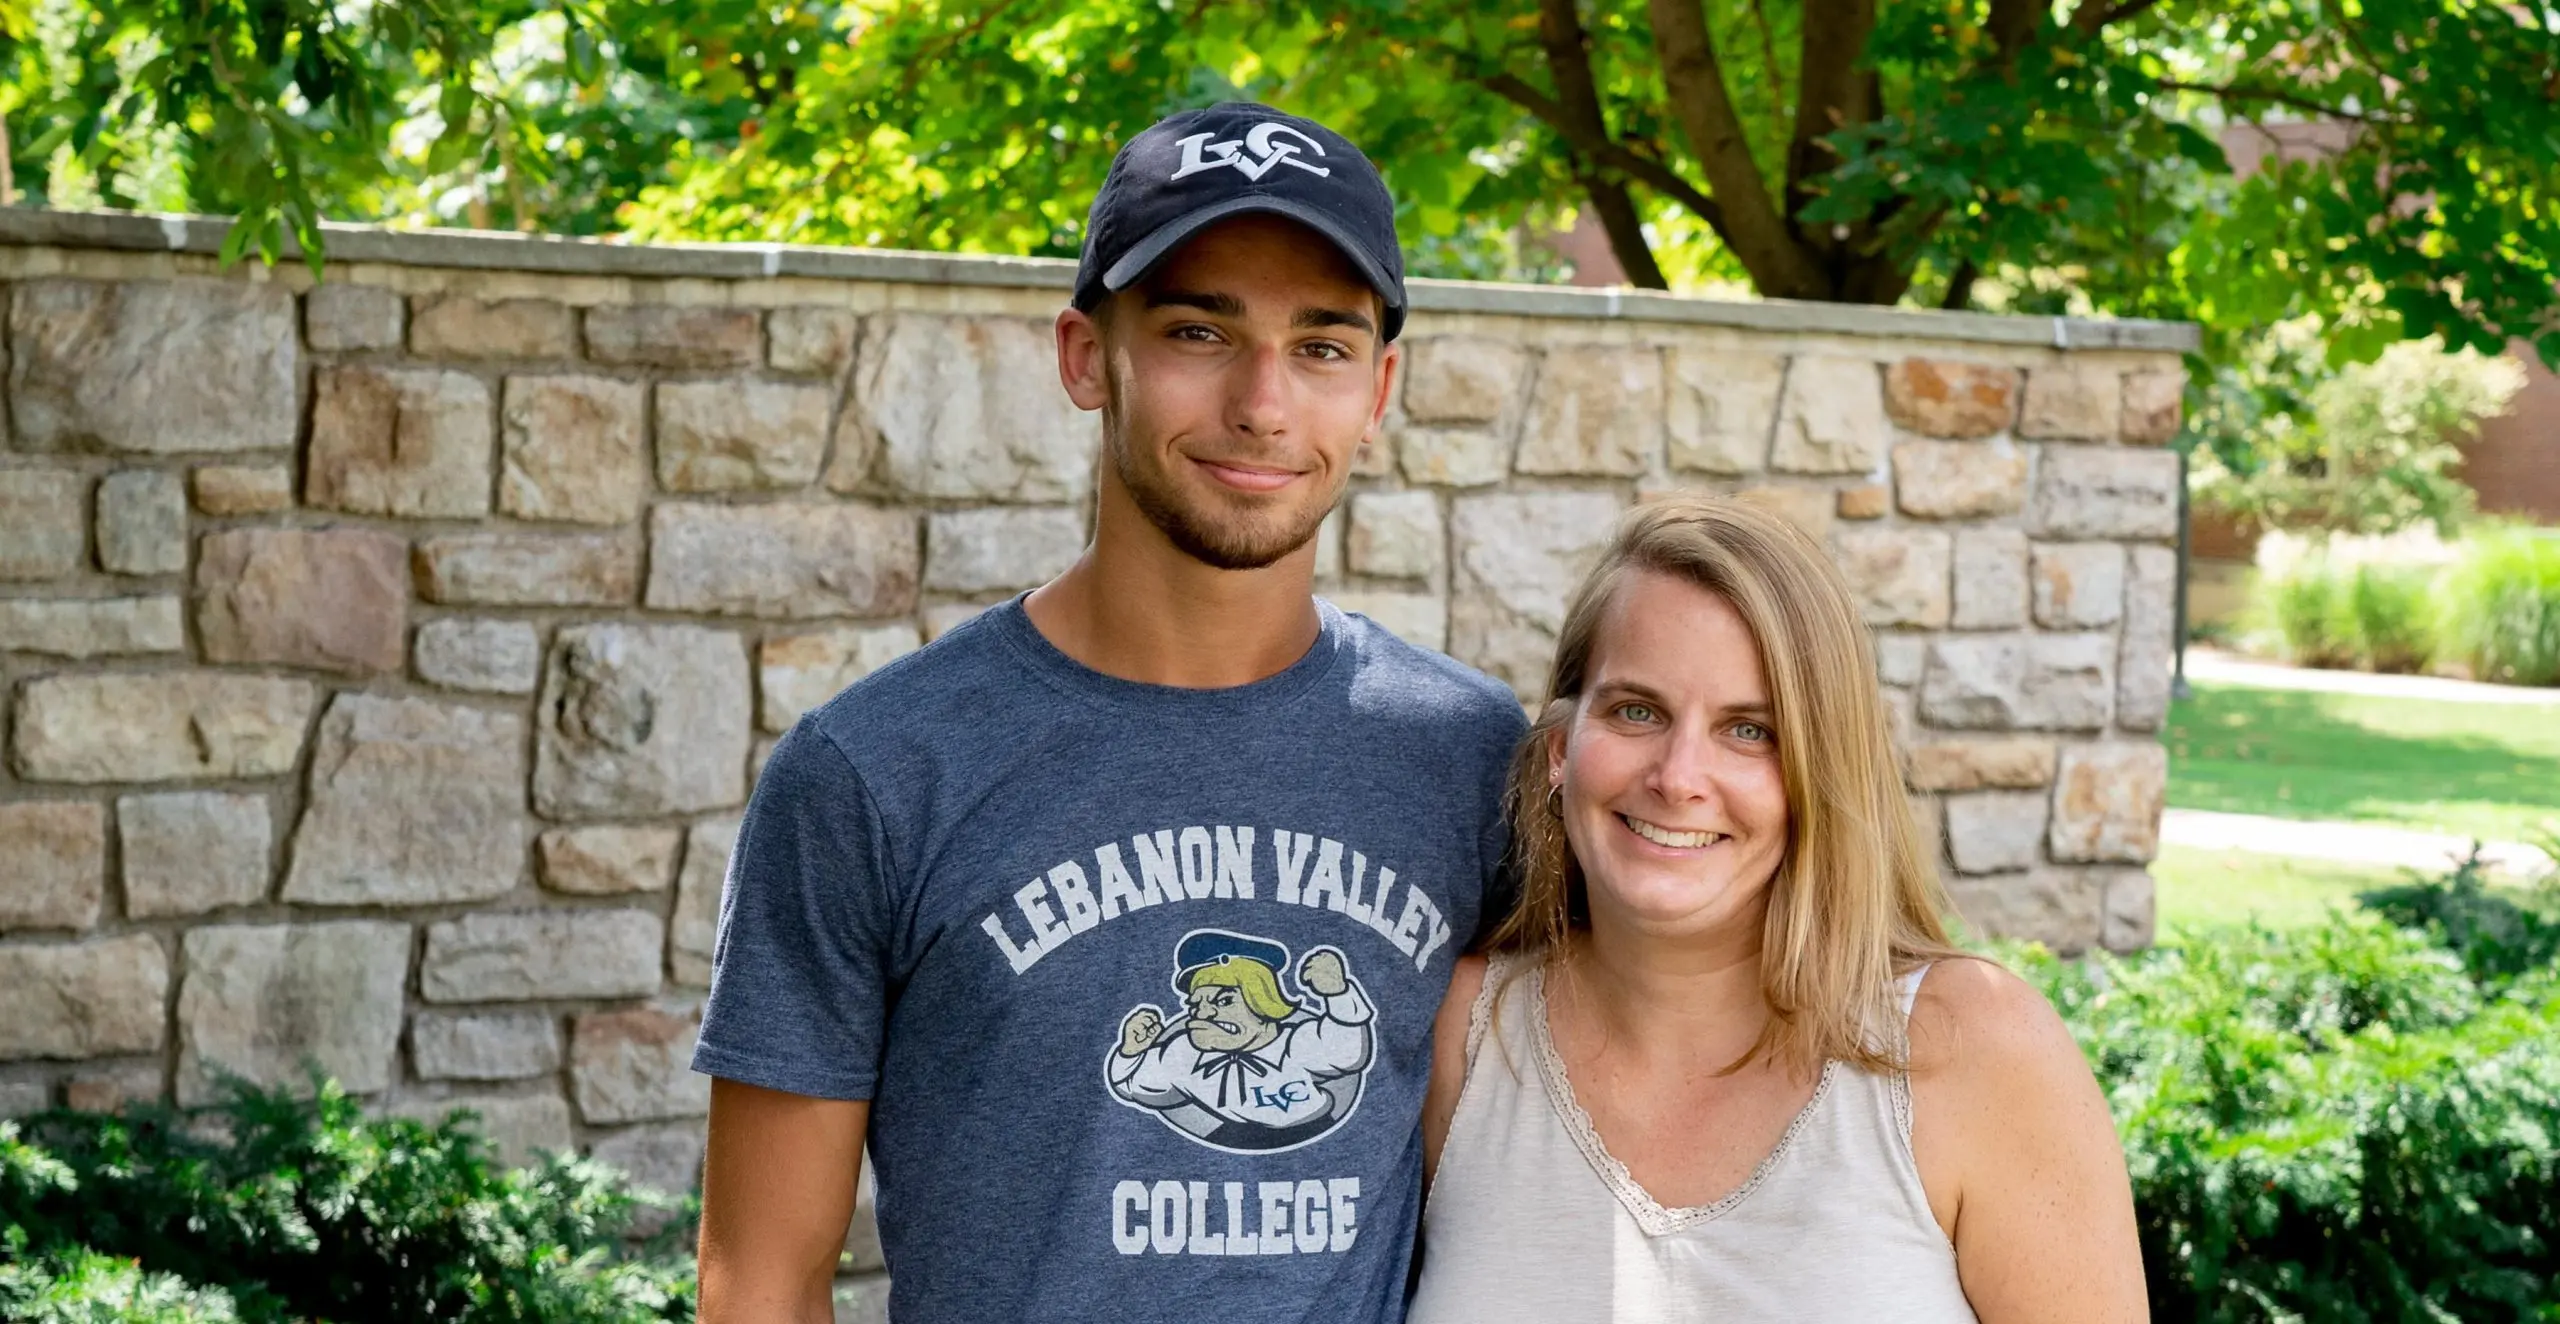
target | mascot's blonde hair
[{"x": 1251, "y": 979}]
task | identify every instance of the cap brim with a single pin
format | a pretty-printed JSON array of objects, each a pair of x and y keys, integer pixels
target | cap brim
[{"x": 1142, "y": 256}]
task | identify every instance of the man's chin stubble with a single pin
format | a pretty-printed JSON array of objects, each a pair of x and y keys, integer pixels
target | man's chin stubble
[{"x": 1224, "y": 548}]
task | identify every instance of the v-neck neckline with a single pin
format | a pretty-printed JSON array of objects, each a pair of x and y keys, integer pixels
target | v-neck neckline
[{"x": 1656, "y": 1218}]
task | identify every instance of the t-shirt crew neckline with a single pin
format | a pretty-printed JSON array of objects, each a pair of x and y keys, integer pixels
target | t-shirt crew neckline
[{"x": 1011, "y": 622}]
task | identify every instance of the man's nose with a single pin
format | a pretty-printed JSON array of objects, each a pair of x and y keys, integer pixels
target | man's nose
[{"x": 1258, "y": 403}]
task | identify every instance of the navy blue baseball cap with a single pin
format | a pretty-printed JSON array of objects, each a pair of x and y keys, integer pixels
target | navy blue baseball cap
[{"x": 1190, "y": 170}]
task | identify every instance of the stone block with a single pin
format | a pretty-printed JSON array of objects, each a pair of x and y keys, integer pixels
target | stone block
[
  {"x": 1397, "y": 535},
  {"x": 108, "y": 1088},
  {"x": 73, "y": 628},
  {"x": 2060, "y": 908},
  {"x": 484, "y": 1045},
  {"x": 1900, "y": 576},
  {"x": 1453, "y": 457},
  {"x": 1900, "y": 658},
  {"x": 943, "y": 617},
  {"x": 409, "y": 442},
  {"x": 153, "y": 367},
  {"x": 327, "y": 599},
  {"x": 2008, "y": 762},
  {"x": 2072, "y": 401},
  {"x": 528, "y": 570},
  {"x": 338, "y": 318},
  {"x": 1810, "y": 509},
  {"x": 962, "y": 408},
  {"x": 1994, "y": 831},
  {"x": 1865, "y": 501},
  {"x": 1831, "y": 420},
  {"x": 1722, "y": 409},
  {"x": 609, "y": 859},
  {"x": 2131, "y": 911},
  {"x": 2151, "y": 413},
  {"x": 755, "y": 762},
  {"x": 2078, "y": 586},
  {"x": 636, "y": 1066},
  {"x": 1328, "y": 541},
  {"x": 412, "y": 803},
  {"x": 83, "y": 999},
  {"x": 1462, "y": 379},
  {"x": 190, "y": 852},
  {"x": 2107, "y": 800},
  {"x": 142, "y": 523},
  {"x": 43, "y": 534},
  {"x": 740, "y": 435},
  {"x": 642, "y": 719},
  {"x": 1596, "y": 410},
  {"x": 56, "y": 854},
  {"x": 518, "y": 1127},
  {"x": 1517, "y": 556},
  {"x": 1991, "y": 579},
  {"x": 1958, "y": 401},
  {"x": 999, "y": 547},
  {"x": 1959, "y": 479},
  {"x": 694, "y": 933},
  {"x": 159, "y": 726},
  {"x": 675, "y": 336},
  {"x": 783, "y": 559},
  {"x": 516, "y": 957},
  {"x": 814, "y": 342},
  {"x": 259, "y": 1000},
  {"x": 2105, "y": 492},
  {"x": 242, "y": 489},
  {"x": 575, "y": 450},
  {"x": 480, "y": 656},
  {"x": 2063, "y": 682},
  {"x": 1419, "y": 619},
  {"x": 795, "y": 673},
  {"x": 2147, "y": 650},
  {"x": 661, "y": 1156},
  {"x": 1375, "y": 457},
  {"x": 449, "y": 327}
]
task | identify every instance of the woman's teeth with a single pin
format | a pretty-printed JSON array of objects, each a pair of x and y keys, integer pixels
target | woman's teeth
[{"x": 1663, "y": 836}]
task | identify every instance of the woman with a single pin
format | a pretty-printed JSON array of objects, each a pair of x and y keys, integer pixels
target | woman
[{"x": 1722, "y": 1063}]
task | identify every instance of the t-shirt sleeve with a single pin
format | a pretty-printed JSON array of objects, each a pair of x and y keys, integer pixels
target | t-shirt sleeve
[
  {"x": 1501, "y": 865},
  {"x": 800, "y": 969}
]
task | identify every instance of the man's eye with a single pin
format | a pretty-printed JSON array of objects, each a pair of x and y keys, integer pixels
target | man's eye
[
  {"x": 1328, "y": 351},
  {"x": 1194, "y": 331}
]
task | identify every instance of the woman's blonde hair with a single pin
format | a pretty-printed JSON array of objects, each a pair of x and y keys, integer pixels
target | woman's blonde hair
[{"x": 1855, "y": 901}]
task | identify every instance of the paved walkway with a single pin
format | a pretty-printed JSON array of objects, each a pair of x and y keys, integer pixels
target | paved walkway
[
  {"x": 2348, "y": 843},
  {"x": 2215, "y": 667}
]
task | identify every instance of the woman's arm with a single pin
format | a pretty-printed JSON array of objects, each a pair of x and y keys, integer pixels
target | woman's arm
[
  {"x": 2018, "y": 1153},
  {"x": 1448, "y": 1060}
]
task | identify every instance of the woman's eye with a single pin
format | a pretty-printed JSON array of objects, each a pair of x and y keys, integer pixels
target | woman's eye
[
  {"x": 1753, "y": 731},
  {"x": 1636, "y": 712}
]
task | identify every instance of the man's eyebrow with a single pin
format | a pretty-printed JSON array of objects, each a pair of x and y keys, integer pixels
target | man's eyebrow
[
  {"x": 1315, "y": 317},
  {"x": 1224, "y": 305}
]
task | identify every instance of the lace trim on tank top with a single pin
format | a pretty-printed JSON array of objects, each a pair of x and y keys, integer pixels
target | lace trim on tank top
[{"x": 1650, "y": 1214}]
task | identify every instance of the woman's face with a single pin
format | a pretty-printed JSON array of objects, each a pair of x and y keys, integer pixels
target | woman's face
[{"x": 1669, "y": 768}]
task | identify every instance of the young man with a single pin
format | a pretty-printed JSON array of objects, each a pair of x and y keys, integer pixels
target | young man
[{"x": 1117, "y": 918}]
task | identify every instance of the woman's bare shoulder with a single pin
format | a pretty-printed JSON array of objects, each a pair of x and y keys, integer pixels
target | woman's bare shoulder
[{"x": 1976, "y": 1021}]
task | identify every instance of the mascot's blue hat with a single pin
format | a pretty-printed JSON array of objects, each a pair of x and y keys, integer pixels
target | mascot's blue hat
[{"x": 1210, "y": 947}]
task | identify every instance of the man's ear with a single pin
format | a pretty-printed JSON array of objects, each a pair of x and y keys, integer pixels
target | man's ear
[
  {"x": 1083, "y": 361},
  {"x": 1390, "y": 362}
]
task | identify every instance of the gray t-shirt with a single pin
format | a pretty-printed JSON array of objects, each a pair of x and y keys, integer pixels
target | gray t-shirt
[{"x": 1139, "y": 980}]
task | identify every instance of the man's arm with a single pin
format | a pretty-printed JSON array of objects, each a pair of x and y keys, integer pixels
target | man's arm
[{"x": 777, "y": 1191}]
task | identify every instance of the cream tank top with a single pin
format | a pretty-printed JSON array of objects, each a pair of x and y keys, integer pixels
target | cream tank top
[{"x": 1530, "y": 1219}]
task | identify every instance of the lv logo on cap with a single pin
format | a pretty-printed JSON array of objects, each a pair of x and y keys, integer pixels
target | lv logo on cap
[{"x": 1199, "y": 153}]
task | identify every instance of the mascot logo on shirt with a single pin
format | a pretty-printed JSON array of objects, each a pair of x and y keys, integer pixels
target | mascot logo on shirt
[{"x": 1245, "y": 1067}]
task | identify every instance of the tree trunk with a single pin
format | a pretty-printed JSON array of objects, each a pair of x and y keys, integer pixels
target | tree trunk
[
  {"x": 1754, "y": 228},
  {"x": 1616, "y": 209}
]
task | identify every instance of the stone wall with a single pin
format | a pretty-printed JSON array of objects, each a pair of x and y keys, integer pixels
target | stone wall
[{"x": 386, "y": 660}]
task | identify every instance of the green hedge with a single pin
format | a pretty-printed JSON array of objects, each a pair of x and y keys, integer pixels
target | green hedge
[
  {"x": 2495, "y": 610},
  {"x": 2358, "y": 1121}
]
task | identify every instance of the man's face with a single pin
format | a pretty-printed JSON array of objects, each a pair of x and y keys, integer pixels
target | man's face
[
  {"x": 1237, "y": 383},
  {"x": 1221, "y": 1021}
]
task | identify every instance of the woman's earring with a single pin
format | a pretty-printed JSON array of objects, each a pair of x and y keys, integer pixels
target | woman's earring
[{"x": 1555, "y": 799}]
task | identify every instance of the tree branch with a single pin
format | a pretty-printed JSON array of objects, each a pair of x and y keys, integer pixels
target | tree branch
[
  {"x": 1831, "y": 93},
  {"x": 2231, "y": 92},
  {"x": 1769, "y": 52},
  {"x": 1568, "y": 50},
  {"x": 1754, "y": 228},
  {"x": 1960, "y": 286},
  {"x": 1638, "y": 166},
  {"x": 2011, "y": 22},
  {"x": 2093, "y": 15}
]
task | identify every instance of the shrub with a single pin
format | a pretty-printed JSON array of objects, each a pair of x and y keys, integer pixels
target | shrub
[
  {"x": 2500, "y": 607},
  {"x": 2373, "y": 617},
  {"x": 306, "y": 1209},
  {"x": 2359, "y": 1121}
]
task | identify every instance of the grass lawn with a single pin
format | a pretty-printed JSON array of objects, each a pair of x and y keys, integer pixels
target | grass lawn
[
  {"x": 2480, "y": 770},
  {"x": 2198, "y": 889}
]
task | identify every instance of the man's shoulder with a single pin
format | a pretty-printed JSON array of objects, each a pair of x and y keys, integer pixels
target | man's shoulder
[
  {"x": 958, "y": 683},
  {"x": 1396, "y": 677}
]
